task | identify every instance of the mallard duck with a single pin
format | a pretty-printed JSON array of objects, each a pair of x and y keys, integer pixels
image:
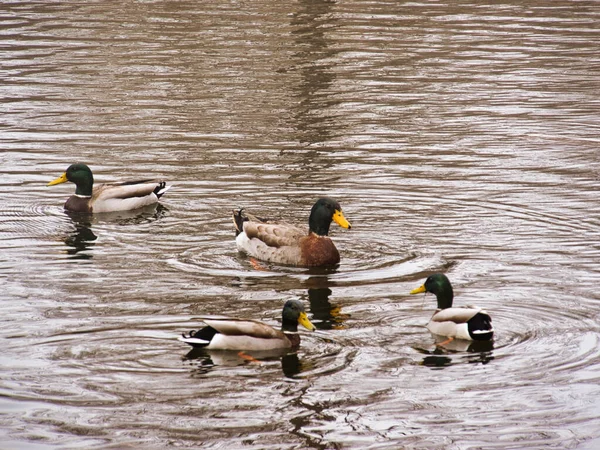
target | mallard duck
[
  {"x": 282, "y": 243},
  {"x": 226, "y": 333},
  {"x": 107, "y": 197},
  {"x": 468, "y": 322}
]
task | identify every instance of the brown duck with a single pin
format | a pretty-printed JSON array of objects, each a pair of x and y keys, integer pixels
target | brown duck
[{"x": 282, "y": 243}]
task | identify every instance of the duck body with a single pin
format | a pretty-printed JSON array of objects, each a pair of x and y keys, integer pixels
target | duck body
[
  {"x": 468, "y": 323},
  {"x": 283, "y": 243},
  {"x": 226, "y": 333},
  {"x": 288, "y": 245},
  {"x": 102, "y": 198}
]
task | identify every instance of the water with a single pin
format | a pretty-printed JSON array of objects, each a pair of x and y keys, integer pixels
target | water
[{"x": 458, "y": 137}]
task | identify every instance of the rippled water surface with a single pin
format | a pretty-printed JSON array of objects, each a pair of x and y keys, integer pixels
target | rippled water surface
[{"x": 459, "y": 137}]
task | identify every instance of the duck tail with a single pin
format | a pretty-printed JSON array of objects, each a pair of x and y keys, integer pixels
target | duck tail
[
  {"x": 480, "y": 327},
  {"x": 161, "y": 188},
  {"x": 238, "y": 220},
  {"x": 200, "y": 338}
]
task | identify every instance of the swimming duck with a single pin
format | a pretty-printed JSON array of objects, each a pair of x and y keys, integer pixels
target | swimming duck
[
  {"x": 467, "y": 322},
  {"x": 107, "y": 197},
  {"x": 226, "y": 333},
  {"x": 282, "y": 243}
]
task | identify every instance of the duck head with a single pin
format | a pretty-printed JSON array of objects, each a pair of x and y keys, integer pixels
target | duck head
[{"x": 323, "y": 212}]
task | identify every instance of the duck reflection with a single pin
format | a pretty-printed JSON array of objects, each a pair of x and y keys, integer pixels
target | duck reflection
[
  {"x": 205, "y": 360},
  {"x": 473, "y": 352},
  {"x": 436, "y": 361},
  {"x": 328, "y": 316},
  {"x": 291, "y": 365},
  {"x": 139, "y": 216},
  {"x": 82, "y": 239}
]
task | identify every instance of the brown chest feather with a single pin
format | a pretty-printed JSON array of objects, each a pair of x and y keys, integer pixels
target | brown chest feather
[
  {"x": 78, "y": 204},
  {"x": 318, "y": 251},
  {"x": 294, "y": 339}
]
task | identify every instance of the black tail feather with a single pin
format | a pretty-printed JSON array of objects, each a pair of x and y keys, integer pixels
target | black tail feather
[
  {"x": 480, "y": 327},
  {"x": 238, "y": 220},
  {"x": 159, "y": 189},
  {"x": 206, "y": 334}
]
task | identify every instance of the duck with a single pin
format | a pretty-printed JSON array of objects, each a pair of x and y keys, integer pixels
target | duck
[
  {"x": 227, "y": 333},
  {"x": 283, "y": 243},
  {"x": 467, "y": 322},
  {"x": 102, "y": 198}
]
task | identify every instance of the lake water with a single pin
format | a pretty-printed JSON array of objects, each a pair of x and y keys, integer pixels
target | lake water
[{"x": 460, "y": 137}]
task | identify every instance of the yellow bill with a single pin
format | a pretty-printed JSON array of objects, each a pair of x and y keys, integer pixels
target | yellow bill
[
  {"x": 338, "y": 217},
  {"x": 303, "y": 320},
  {"x": 61, "y": 179},
  {"x": 418, "y": 290}
]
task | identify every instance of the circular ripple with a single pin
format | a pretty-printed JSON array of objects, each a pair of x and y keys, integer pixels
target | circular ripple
[{"x": 30, "y": 220}]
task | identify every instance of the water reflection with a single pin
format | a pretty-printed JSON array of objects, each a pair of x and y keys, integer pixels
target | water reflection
[
  {"x": 310, "y": 24},
  {"x": 206, "y": 360},
  {"x": 146, "y": 214},
  {"x": 473, "y": 352},
  {"x": 436, "y": 361},
  {"x": 328, "y": 316},
  {"x": 82, "y": 239},
  {"x": 291, "y": 365}
]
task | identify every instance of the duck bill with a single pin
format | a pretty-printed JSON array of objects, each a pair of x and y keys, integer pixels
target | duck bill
[
  {"x": 338, "y": 217},
  {"x": 303, "y": 320},
  {"x": 59, "y": 180},
  {"x": 418, "y": 290}
]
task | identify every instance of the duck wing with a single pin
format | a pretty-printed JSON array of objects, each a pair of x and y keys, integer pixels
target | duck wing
[
  {"x": 126, "y": 196},
  {"x": 126, "y": 190},
  {"x": 457, "y": 314},
  {"x": 274, "y": 234},
  {"x": 242, "y": 327}
]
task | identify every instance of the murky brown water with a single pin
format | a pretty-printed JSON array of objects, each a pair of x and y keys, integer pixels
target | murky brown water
[{"x": 458, "y": 137}]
